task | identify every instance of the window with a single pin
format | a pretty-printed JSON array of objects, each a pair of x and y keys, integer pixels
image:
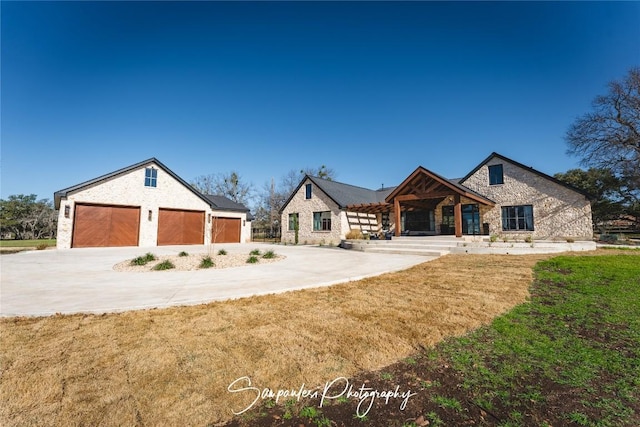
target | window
[
  {"x": 293, "y": 220},
  {"x": 307, "y": 191},
  {"x": 150, "y": 177},
  {"x": 517, "y": 218},
  {"x": 495, "y": 175},
  {"x": 322, "y": 221}
]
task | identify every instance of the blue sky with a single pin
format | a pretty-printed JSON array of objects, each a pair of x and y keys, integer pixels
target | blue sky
[{"x": 372, "y": 90}]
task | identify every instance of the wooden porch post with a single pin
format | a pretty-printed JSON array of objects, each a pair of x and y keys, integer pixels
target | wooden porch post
[
  {"x": 396, "y": 212},
  {"x": 457, "y": 215}
]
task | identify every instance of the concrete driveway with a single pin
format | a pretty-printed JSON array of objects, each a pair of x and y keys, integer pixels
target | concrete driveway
[{"x": 42, "y": 283}]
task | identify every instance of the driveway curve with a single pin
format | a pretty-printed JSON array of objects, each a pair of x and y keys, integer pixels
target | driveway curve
[{"x": 42, "y": 283}]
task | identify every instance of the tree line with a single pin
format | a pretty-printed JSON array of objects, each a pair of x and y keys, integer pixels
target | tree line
[{"x": 23, "y": 217}]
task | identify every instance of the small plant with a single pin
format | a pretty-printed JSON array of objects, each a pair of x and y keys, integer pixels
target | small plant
[
  {"x": 528, "y": 239},
  {"x": 493, "y": 238},
  {"x": 164, "y": 265},
  {"x": 570, "y": 240},
  {"x": 386, "y": 376},
  {"x": 410, "y": 361},
  {"x": 447, "y": 403},
  {"x": 269, "y": 255},
  {"x": 143, "y": 260},
  {"x": 252, "y": 259},
  {"x": 354, "y": 235},
  {"x": 206, "y": 262},
  {"x": 42, "y": 246},
  {"x": 222, "y": 252},
  {"x": 255, "y": 252},
  {"x": 183, "y": 253}
]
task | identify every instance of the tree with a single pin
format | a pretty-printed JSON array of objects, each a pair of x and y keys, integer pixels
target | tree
[
  {"x": 229, "y": 185},
  {"x": 26, "y": 218},
  {"x": 609, "y": 136},
  {"x": 608, "y": 193},
  {"x": 321, "y": 172}
]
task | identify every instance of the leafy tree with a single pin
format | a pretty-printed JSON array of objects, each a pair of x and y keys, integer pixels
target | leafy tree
[
  {"x": 609, "y": 193},
  {"x": 27, "y": 218},
  {"x": 227, "y": 184},
  {"x": 321, "y": 172},
  {"x": 609, "y": 136}
]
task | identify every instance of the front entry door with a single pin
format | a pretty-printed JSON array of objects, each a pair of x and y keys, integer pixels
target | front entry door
[{"x": 470, "y": 219}]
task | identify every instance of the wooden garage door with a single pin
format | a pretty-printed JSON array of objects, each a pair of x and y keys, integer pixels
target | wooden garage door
[
  {"x": 100, "y": 226},
  {"x": 179, "y": 227},
  {"x": 225, "y": 230}
]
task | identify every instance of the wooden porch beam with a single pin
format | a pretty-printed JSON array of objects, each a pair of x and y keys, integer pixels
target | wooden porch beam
[
  {"x": 396, "y": 212},
  {"x": 457, "y": 215}
]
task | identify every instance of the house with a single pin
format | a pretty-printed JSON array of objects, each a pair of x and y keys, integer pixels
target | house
[
  {"x": 499, "y": 196},
  {"x": 146, "y": 204}
]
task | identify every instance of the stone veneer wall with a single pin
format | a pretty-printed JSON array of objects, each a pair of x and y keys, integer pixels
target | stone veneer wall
[
  {"x": 319, "y": 202},
  {"x": 128, "y": 189},
  {"x": 558, "y": 212}
]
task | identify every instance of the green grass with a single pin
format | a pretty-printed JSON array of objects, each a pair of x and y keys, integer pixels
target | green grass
[
  {"x": 183, "y": 254},
  {"x": 26, "y": 243},
  {"x": 579, "y": 337},
  {"x": 255, "y": 252},
  {"x": 252, "y": 259}
]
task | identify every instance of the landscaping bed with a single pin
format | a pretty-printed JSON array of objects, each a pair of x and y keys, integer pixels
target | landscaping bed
[{"x": 185, "y": 261}]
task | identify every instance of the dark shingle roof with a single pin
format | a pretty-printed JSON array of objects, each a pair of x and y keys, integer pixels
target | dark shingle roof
[
  {"x": 347, "y": 194},
  {"x": 223, "y": 203}
]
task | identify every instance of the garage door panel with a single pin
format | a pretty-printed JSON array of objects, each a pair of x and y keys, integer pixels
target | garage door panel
[
  {"x": 225, "y": 230},
  {"x": 179, "y": 227},
  {"x": 105, "y": 226}
]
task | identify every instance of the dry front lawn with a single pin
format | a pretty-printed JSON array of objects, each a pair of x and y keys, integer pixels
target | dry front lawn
[{"x": 173, "y": 366}]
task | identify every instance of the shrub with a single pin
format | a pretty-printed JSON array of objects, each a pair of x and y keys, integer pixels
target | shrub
[
  {"x": 354, "y": 235},
  {"x": 222, "y": 252},
  {"x": 206, "y": 262},
  {"x": 528, "y": 239},
  {"x": 252, "y": 259},
  {"x": 269, "y": 255},
  {"x": 183, "y": 253},
  {"x": 255, "y": 252},
  {"x": 493, "y": 238},
  {"x": 164, "y": 265},
  {"x": 42, "y": 246},
  {"x": 143, "y": 260}
]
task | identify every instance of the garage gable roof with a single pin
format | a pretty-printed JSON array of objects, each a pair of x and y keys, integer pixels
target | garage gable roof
[{"x": 217, "y": 203}]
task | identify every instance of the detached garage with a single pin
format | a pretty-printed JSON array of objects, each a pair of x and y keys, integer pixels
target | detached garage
[
  {"x": 145, "y": 204},
  {"x": 98, "y": 226}
]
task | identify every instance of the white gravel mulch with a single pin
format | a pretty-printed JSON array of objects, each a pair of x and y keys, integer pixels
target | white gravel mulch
[{"x": 192, "y": 262}]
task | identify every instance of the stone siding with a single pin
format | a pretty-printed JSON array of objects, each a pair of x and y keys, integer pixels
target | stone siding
[
  {"x": 129, "y": 190},
  {"x": 558, "y": 212},
  {"x": 319, "y": 202}
]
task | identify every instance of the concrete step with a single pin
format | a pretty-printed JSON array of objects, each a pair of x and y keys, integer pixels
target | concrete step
[{"x": 407, "y": 251}]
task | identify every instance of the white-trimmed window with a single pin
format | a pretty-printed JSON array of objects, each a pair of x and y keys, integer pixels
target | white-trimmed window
[
  {"x": 150, "y": 177},
  {"x": 517, "y": 218},
  {"x": 322, "y": 221},
  {"x": 307, "y": 191}
]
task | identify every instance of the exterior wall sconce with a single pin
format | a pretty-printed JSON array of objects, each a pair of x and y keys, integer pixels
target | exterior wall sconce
[
  {"x": 150, "y": 215},
  {"x": 67, "y": 210}
]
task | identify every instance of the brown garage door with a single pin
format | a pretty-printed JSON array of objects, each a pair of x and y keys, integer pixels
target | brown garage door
[
  {"x": 225, "y": 230},
  {"x": 179, "y": 227},
  {"x": 99, "y": 226}
]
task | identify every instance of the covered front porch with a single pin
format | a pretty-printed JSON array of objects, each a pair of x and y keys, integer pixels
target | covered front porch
[{"x": 428, "y": 204}]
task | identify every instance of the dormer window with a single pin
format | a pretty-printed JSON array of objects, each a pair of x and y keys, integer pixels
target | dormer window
[
  {"x": 495, "y": 175},
  {"x": 307, "y": 191},
  {"x": 150, "y": 177}
]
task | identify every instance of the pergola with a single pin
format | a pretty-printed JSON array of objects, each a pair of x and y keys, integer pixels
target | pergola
[{"x": 421, "y": 189}]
